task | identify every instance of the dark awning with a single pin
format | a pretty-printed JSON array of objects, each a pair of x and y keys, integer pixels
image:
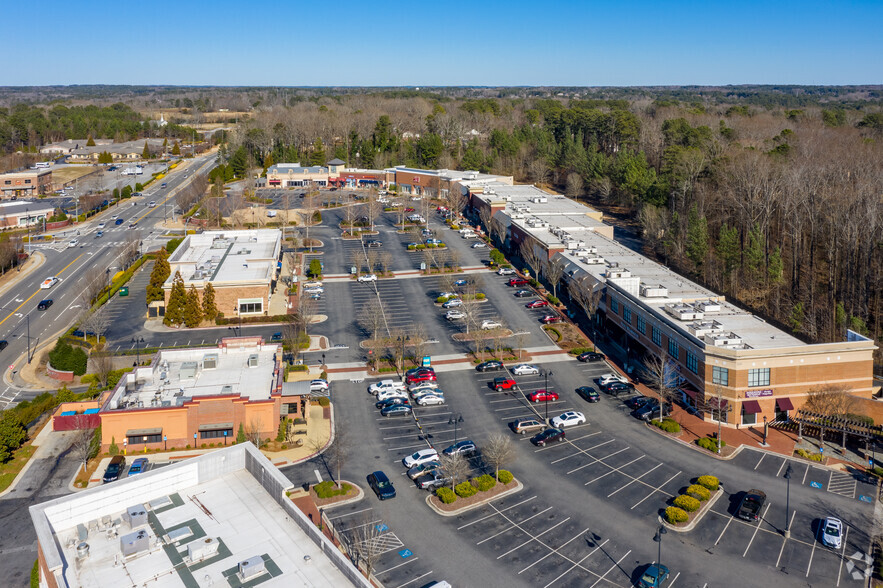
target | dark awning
[
  {"x": 143, "y": 432},
  {"x": 784, "y": 404},
  {"x": 216, "y": 427},
  {"x": 301, "y": 388},
  {"x": 751, "y": 407},
  {"x": 712, "y": 403}
]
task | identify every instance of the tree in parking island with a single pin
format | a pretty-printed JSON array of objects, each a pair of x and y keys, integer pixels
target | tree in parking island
[
  {"x": 177, "y": 301},
  {"x": 160, "y": 273}
]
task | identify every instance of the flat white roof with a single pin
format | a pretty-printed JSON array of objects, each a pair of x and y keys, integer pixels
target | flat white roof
[
  {"x": 197, "y": 520},
  {"x": 227, "y": 257},
  {"x": 178, "y": 375}
]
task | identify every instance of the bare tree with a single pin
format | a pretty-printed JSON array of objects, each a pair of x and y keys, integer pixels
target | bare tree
[
  {"x": 831, "y": 400},
  {"x": 458, "y": 201},
  {"x": 456, "y": 466},
  {"x": 309, "y": 203},
  {"x": 365, "y": 545},
  {"x": 418, "y": 341},
  {"x": 349, "y": 216},
  {"x": 498, "y": 231},
  {"x": 372, "y": 255},
  {"x": 498, "y": 451},
  {"x": 574, "y": 187},
  {"x": 85, "y": 443},
  {"x": 554, "y": 271},
  {"x": 662, "y": 377},
  {"x": 586, "y": 292},
  {"x": 129, "y": 250},
  {"x": 371, "y": 318},
  {"x": 102, "y": 363},
  {"x": 530, "y": 257},
  {"x": 357, "y": 259},
  {"x": 454, "y": 258},
  {"x": 92, "y": 284},
  {"x": 253, "y": 432},
  {"x": 386, "y": 261},
  {"x": 520, "y": 340},
  {"x": 372, "y": 210},
  {"x": 339, "y": 450}
]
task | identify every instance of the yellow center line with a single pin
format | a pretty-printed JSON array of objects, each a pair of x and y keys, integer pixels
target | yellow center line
[
  {"x": 38, "y": 291},
  {"x": 163, "y": 201}
]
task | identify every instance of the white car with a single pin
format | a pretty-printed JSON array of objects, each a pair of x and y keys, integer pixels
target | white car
[
  {"x": 418, "y": 394},
  {"x": 385, "y": 385},
  {"x": 610, "y": 378},
  {"x": 488, "y": 325},
  {"x": 525, "y": 369},
  {"x": 505, "y": 271},
  {"x": 313, "y": 284},
  {"x": 49, "y": 282},
  {"x": 100, "y": 225},
  {"x": 422, "y": 386},
  {"x": 568, "y": 419},
  {"x": 470, "y": 236},
  {"x": 448, "y": 295},
  {"x": 386, "y": 394},
  {"x": 831, "y": 532},
  {"x": 368, "y": 278},
  {"x": 418, "y": 457},
  {"x": 452, "y": 303},
  {"x": 479, "y": 245},
  {"x": 454, "y": 315},
  {"x": 430, "y": 400},
  {"x": 318, "y": 385},
  {"x": 151, "y": 204},
  {"x": 314, "y": 290},
  {"x": 73, "y": 243}
]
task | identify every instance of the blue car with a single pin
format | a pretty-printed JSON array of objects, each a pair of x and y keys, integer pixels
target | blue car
[
  {"x": 460, "y": 283},
  {"x": 139, "y": 466},
  {"x": 655, "y": 575}
]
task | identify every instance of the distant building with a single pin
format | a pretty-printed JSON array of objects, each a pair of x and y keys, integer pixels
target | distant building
[
  {"x": 34, "y": 182},
  {"x": 67, "y": 146},
  {"x": 438, "y": 182},
  {"x": 21, "y": 213},
  {"x": 294, "y": 175},
  {"x": 219, "y": 519},
  {"x": 76, "y": 150}
]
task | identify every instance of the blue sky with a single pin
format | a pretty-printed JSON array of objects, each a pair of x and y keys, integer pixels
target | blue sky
[{"x": 513, "y": 43}]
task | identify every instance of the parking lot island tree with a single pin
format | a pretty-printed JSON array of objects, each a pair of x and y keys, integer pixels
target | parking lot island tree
[
  {"x": 498, "y": 452},
  {"x": 457, "y": 467}
]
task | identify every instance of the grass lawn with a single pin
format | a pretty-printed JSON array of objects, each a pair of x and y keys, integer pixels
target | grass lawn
[
  {"x": 10, "y": 469},
  {"x": 69, "y": 174}
]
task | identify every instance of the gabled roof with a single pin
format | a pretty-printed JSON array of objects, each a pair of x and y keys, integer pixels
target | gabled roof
[{"x": 336, "y": 161}]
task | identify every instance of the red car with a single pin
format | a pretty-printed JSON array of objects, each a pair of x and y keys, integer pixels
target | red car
[
  {"x": 551, "y": 318},
  {"x": 537, "y": 304},
  {"x": 409, "y": 209},
  {"x": 516, "y": 282},
  {"x": 503, "y": 383},
  {"x": 420, "y": 375},
  {"x": 542, "y": 396}
]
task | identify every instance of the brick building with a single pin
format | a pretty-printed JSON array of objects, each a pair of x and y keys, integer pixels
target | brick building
[{"x": 32, "y": 182}]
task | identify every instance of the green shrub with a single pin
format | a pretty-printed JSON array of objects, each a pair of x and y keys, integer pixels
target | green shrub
[
  {"x": 442, "y": 245},
  {"x": 315, "y": 268},
  {"x": 667, "y": 425},
  {"x": 554, "y": 300},
  {"x": 64, "y": 357},
  {"x": 35, "y": 574},
  {"x": 421, "y": 246},
  {"x": 709, "y": 443},
  {"x": 533, "y": 283},
  {"x": 810, "y": 456},
  {"x": 441, "y": 299},
  {"x": 431, "y": 246},
  {"x": 323, "y": 401},
  {"x": 327, "y": 489},
  {"x": 700, "y": 493},
  {"x": 709, "y": 482},
  {"x": 114, "y": 449},
  {"x": 675, "y": 515},
  {"x": 480, "y": 296},
  {"x": 455, "y": 227},
  {"x": 687, "y": 503},
  {"x": 299, "y": 368},
  {"x": 173, "y": 244},
  {"x": 580, "y": 350},
  {"x": 446, "y": 495},
  {"x": 412, "y": 247},
  {"x": 485, "y": 482},
  {"x": 504, "y": 476},
  {"x": 465, "y": 489}
]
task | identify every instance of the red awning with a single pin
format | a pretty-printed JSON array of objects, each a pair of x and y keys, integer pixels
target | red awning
[
  {"x": 689, "y": 392},
  {"x": 712, "y": 403},
  {"x": 784, "y": 404},
  {"x": 751, "y": 407}
]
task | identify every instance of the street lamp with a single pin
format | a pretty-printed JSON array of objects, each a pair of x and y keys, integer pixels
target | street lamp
[
  {"x": 787, "y": 477},
  {"x": 765, "y": 430},
  {"x": 138, "y": 341},
  {"x": 455, "y": 421},
  {"x": 658, "y": 538},
  {"x": 546, "y": 375}
]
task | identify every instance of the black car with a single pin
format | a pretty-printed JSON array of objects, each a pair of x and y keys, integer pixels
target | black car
[
  {"x": 523, "y": 293},
  {"x": 616, "y": 388},
  {"x": 4, "y": 344},
  {"x": 752, "y": 502},
  {"x": 44, "y": 304},
  {"x": 374, "y": 244},
  {"x": 649, "y": 415},
  {"x": 588, "y": 393},
  {"x": 396, "y": 410},
  {"x": 432, "y": 480},
  {"x": 636, "y": 402},
  {"x": 590, "y": 356},
  {"x": 391, "y": 402},
  {"x": 489, "y": 366},
  {"x": 548, "y": 436},
  {"x": 381, "y": 485},
  {"x": 114, "y": 469}
]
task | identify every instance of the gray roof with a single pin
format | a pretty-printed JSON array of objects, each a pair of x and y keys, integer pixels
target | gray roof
[
  {"x": 19, "y": 206},
  {"x": 336, "y": 161}
]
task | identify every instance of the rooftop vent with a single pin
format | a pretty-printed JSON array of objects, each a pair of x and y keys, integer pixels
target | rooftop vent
[
  {"x": 702, "y": 328},
  {"x": 539, "y": 199},
  {"x": 134, "y": 543},
  {"x": 226, "y": 389},
  {"x": 82, "y": 550},
  {"x": 210, "y": 361},
  {"x": 708, "y": 306},
  {"x": 653, "y": 291},
  {"x": 207, "y": 547},
  {"x": 220, "y": 243},
  {"x": 618, "y": 273},
  {"x": 253, "y": 360},
  {"x": 593, "y": 260},
  {"x": 684, "y": 312}
]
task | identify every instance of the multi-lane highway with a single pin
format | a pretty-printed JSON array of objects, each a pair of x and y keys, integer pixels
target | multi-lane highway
[{"x": 23, "y": 325}]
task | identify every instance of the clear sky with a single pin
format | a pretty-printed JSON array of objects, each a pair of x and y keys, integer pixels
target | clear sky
[{"x": 479, "y": 43}]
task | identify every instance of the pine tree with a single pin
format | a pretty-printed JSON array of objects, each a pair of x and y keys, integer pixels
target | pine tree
[
  {"x": 317, "y": 154},
  {"x": 177, "y": 302},
  {"x": 268, "y": 161},
  {"x": 209, "y": 308},
  {"x": 697, "y": 238},
  {"x": 146, "y": 153},
  {"x": 728, "y": 248},
  {"x": 192, "y": 309},
  {"x": 90, "y": 142},
  {"x": 161, "y": 272},
  {"x": 105, "y": 157},
  {"x": 165, "y": 144},
  {"x": 240, "y": 435},
  {"x": 176, "y": 149},
  {"x": 754, "y": 254}
]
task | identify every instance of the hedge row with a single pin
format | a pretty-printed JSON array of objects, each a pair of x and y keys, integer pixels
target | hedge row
[
  {"x": 327, "y": 489},
  {"x": 709, "y": 443},
  {"x": 472, "y": 487},
  {"x": 676, "y": 515},
  {"x": 810, "y": 456},
  {"x": 667, "y": 425}
]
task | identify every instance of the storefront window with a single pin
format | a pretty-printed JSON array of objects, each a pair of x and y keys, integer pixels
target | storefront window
[{"x": 748, "y": 419}]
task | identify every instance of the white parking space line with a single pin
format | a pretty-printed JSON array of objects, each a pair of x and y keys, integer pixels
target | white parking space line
[
  {"x": 756, "y": 529},
  {"x": 759, "y": 461},
  {"x": 614, "y": 566},
  {"x": 811, "y": 554},
  {"x": 533, "y": 537},
  {"x": 350, "y": 514},
  {"x": 423, "y": 444},
  {"x": 406, "y": 562},
  {"x": 784, "y": 540},
  {"x": 571, "y": 568},
  {"x": 727, "y": 526},
  {"x": 805, "y": 472},
  {"x": 613, "y": 469},
  {"x": 499, "y": 511},
  {"x": 597, "y": 459},
  {"x": 781, "y": 467},
  {"x": 414, "y": 580},
  {"x": 842, "y": 555},
  {"x": 655, "y": 490},
  {"x": 673, "y": 580},
  {"x": 633, "y": 480},
  {"x": 574, "y": 538},
  {"x": 507, "y": 529}
]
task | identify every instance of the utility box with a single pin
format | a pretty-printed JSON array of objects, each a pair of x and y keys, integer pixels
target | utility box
[
  {"x": 136, "y": 516},
  {"x": 134, "y": 543},
  {"x": 253, "y": 566}
]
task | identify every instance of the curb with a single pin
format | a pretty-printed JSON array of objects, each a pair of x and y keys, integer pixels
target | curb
[
  {"x": 518, "y": 488},
  {"x": 696, "y": 448},
  {"x": 286, "y": 464},
  {"x": 18, "y": 478},
  {"x": 40, "y": 259},
  {"x": 692, "y": 524},
  {"x": 355, "y": 498}
]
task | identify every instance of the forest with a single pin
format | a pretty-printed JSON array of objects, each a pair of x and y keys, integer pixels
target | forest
[{"x": 772, "y": 195}]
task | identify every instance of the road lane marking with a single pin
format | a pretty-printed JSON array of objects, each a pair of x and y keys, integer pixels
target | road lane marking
[{"x": 38, "y": 291}]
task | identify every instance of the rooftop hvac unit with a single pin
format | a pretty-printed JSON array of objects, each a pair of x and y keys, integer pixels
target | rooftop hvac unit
[
  {"x": 723, "y": 339},
  {"x": 593, "y": 260},
  {"x": 517, "y": 215},
  {"x": 253, "y": 566},
  {"x": 136, "y": 515},
  {"x": 203, "y": 548},
  {"x": 188, "y": 370},
  {"x": 539, "y": 199},
  {"x": 702, "y": 328},
  {"x": 618, "y": 273},
  {"x": 219, "y": 244},
  {"x": 82, "y": 550},
  {"x": 134, "y": 543},
  {"x": 653, "y": 291},
  {"x": 210, "y": 361},
  {"x": 253, "y": 360},
  {"x": 683, "y": 312},
  {"x": 708, "y": 306}
]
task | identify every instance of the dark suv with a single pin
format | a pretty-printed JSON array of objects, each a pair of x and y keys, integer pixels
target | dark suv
[
  {"x": 752, "y": 502},
  {"x": 114, "y": 469},
  {"x": 381, "y": 485}
]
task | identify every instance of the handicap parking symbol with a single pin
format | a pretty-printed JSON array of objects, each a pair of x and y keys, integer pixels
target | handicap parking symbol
[
  {"x": 406, "y": 553},
  {"x": 815, "y": 484},
  {"x": 381, "y": 528},
  {"x": 864, "y": 498}
]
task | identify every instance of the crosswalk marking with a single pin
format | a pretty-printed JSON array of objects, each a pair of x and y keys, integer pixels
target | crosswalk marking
[{"x": 842, "y": 484}]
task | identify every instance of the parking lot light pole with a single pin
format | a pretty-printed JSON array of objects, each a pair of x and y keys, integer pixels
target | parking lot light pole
[
  {"x": 658, "y": 538},
  {"x": 546, "y": 375},
  {"x": 455, "y": 421},
  {"x": 137, "y": 341},
  {"x": 787, "y": 477},
  {"x": 766, "y": 428}
]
